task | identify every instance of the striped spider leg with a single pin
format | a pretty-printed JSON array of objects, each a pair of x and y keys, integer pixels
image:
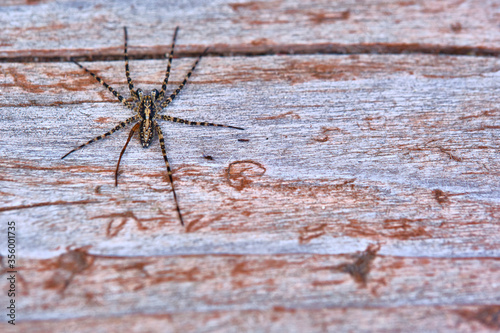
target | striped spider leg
[{"x": 147, "y": 108}]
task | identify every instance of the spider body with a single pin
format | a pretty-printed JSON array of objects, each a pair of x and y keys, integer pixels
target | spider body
[{"x": 148, "y": 108}]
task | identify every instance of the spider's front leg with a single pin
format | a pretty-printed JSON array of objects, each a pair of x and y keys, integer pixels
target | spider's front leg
[
  {"x": 167, "y": 73},
  {"x": 169, "y": 100},
  {"x": 107, "y": 86}
]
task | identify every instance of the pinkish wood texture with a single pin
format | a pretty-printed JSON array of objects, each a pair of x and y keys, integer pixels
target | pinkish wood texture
[
  {"x": 52, "y": 28},
  {"x": 362, "y": 196}
]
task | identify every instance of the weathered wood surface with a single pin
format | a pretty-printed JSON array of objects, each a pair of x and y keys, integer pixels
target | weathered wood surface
[
  {"x": 94, "y": 28},
  {"x": 393, "y": 155}
]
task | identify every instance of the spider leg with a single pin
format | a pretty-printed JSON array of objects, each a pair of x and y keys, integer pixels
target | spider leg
[
  {"x": 113, "y": 91},
  {"x": 171, "y": 98},
  {"x": 167, "y": 73},
  {"x": 116, "y": 128},
  {"x": 169, "y": 171},
  {"x": 132, "y": 131},
  {"x": 127, "y": 70},
  {"x": 195, "y": 123}
]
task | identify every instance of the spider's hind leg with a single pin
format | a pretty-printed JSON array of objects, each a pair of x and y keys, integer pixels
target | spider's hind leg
[{"x": 169, "y": 171}]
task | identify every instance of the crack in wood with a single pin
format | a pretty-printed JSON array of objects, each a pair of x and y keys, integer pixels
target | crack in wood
[
  {"x": 222, "y": 50},
  {"x": 43, "y": 204}
]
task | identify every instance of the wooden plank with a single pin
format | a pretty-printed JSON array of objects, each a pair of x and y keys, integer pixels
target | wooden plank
[
  {"x": 451, "y": 319},
  {"x": 393, "y": 155},
  {"x": 403, "y": 154},
  {"x": 220, "y": 283},
  {"x": 94, "y": 29}
]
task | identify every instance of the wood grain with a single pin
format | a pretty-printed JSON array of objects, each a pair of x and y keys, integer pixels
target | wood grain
[
  {"x": 211, "y": 283},
  {"x": 363, "y": 194},
  {"x": 94, "y": 28}
]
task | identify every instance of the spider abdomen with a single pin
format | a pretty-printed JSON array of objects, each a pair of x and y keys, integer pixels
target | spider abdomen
[{"x": 146, "y": 132}]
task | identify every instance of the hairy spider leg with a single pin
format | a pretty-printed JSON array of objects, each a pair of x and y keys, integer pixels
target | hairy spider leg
[
  {"x": 169, "y": 171},
  {"x": 127, "y": 70},
  {"x": 132, "y": 131},
  {"x": 195, "y": 123},
  {"x": 186, "y": 78},
  {"x": 118, "y": 127},
  {"x": 167, "y": 73},
  {"x": 101, "y": 81}
]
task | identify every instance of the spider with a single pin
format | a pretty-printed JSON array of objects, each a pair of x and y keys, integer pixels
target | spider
[{"x": 147, "y": 108}]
